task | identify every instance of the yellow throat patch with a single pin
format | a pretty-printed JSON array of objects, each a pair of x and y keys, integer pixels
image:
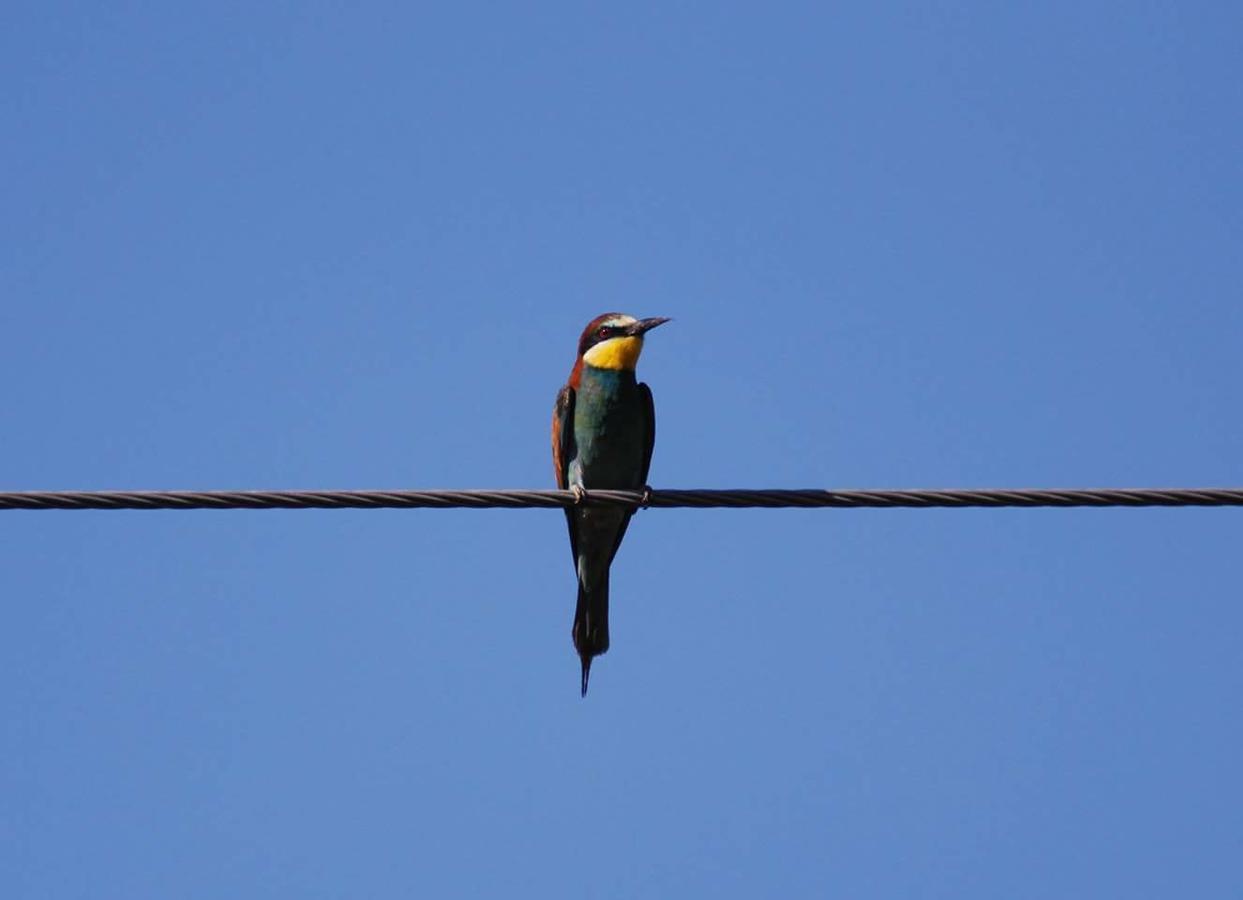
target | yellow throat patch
[{"x": 615, "y": 353}]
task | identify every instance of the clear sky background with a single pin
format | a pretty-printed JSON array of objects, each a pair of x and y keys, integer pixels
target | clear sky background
[{"x": 352, "y": 246}]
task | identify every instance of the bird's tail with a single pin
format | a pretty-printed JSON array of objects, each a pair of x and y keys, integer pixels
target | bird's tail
[{"x": 591, "y": 624}]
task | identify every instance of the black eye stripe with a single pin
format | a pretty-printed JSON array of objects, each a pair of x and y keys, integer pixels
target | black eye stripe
[{"x": 601, "y": 333}]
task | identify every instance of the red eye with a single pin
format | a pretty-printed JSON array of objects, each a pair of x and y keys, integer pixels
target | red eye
[{"x": 603, "y": 332}]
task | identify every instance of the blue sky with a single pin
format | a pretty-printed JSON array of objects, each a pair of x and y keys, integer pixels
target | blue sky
[{"x": 319, "y": 246}]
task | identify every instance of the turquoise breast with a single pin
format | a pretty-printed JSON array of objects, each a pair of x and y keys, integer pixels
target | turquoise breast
[{"x": 609, "y": 430}]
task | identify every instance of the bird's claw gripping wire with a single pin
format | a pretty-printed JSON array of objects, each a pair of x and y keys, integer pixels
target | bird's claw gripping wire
[
  {"x": 579, "y": 492},
  {"x": 646, "y": 500}
]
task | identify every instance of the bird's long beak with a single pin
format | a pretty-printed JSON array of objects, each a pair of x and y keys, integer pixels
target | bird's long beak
[{"x": 645, "y": 325}]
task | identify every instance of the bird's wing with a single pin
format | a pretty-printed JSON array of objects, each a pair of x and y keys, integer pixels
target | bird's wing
[
  {"x": 563, "y": 451},
  {"x": 649, "y": 420},
  {"x": 563, "y": 435},
  {"x": 648, "y": 413}
]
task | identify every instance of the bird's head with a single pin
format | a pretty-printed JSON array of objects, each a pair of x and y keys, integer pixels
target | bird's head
[{"x": 614, "y": 340}]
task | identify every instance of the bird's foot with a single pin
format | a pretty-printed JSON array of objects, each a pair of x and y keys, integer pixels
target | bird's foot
[
  {"x": 646, "y": 500},
  {"x": 579, "y": 492}
]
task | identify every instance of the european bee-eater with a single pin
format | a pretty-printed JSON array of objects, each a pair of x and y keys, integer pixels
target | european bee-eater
[{"x": 603, "y": 429}]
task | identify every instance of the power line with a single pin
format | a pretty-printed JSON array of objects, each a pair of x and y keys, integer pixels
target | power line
[{"x": 663, "y": 499}]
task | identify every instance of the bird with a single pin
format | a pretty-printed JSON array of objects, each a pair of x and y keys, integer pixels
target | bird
[{"x": 603, "y": 431}]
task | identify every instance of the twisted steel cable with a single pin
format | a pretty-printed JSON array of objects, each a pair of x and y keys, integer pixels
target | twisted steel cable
[{"x": 663, "y": 499}]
